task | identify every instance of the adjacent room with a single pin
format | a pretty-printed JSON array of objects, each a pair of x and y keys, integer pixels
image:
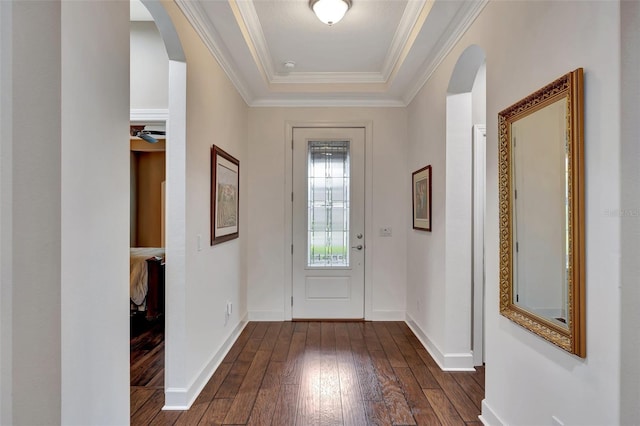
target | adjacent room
[{"x": 149, "y": 111}]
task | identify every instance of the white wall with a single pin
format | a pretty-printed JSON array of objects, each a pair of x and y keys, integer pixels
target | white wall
[
  {"x": 95, "y": 213},
  {"x": 214, "y": 274},
  {"x": 6, "y": 139},
  {"x": 630, "y": 214},
  {"x": 267, "y": 207},
  {"x": 479, "y": 97},
  {"x": 66, "y": 350},
  {"x": 426, "y": 250},
  {"x": 149, "y": 67},
  {"x": 458, "y": 220},
  {"x": 529, "y": 380},
  {"x": 33, "y": 172},
  {"x": 447, "y": 333}
]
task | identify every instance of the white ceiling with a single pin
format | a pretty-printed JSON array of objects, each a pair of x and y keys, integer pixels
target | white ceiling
[{"x": 379, "y": 54}]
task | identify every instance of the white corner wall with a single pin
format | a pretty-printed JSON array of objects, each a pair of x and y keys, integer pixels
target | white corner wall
[
  {"x": 95, "y": 213},
  {"x": 197, "y": 333},
  {"x": 267, "y": 208},
  {"x": 529, "y": 380},
  {"x": 61, "y": 351}
]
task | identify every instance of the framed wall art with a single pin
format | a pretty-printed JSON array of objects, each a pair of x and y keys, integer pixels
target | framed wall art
[
  {"x": 225, "y": 186},
  {"x": 421, "y": 198}
]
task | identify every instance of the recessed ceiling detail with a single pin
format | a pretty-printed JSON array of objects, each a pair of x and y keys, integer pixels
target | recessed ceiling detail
[{"x": 379, "y": 54}]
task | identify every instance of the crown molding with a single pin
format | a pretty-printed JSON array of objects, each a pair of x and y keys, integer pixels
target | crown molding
[
  {"x": 211, "y": 38},
  {"x": 310, "y": 102},
  {"x": 401, "y": 37},
  {"x": 454, "y": 32},
  {"x": 254, "y": 36},
  {"x": 329, "y": 78}
]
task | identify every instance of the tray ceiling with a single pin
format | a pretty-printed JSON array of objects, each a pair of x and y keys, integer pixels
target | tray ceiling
[{"x": 379, "y": 54}]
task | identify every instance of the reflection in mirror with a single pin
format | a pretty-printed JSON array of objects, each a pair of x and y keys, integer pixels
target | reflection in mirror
[
  {"x": 542, "y": 213},
  {"x": 539, "y": 174}
]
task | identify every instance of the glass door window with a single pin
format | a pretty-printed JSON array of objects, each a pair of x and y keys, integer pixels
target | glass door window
[{"x": 328, "y": 181}]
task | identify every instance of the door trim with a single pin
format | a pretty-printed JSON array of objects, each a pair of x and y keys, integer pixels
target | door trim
[
  {"x": 368, "y": 202},
  {"x": 478, "y": 230}
]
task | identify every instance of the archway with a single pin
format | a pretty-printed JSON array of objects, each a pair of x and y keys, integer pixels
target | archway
[
  {"x": 465, "y": 170},
  {"x": 175, "y": 309}
]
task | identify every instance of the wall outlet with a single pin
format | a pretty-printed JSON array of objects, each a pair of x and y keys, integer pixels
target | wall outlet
[
  {"x": 227, "y": 312},
  {"x": 386, "y": 231}
]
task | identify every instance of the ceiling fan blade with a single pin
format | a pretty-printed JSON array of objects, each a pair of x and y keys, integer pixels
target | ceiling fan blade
[{"x": 146, "y": 137}]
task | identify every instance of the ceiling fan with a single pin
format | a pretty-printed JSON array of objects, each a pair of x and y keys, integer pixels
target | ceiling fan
[{"x": 146, "y": 135}]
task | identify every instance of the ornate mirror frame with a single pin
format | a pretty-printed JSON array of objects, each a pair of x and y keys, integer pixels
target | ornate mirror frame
[{"x": 572, "y": 337}]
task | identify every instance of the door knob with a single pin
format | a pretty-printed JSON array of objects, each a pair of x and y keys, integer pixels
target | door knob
[{"x": 358, "y": 247}]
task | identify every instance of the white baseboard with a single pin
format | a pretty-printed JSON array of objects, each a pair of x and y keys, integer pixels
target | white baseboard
[
  {"x": 488, "y": 416},
  {"x": 446, "y": 361},
  {"x": 386, "y": 316},
  {"x": 175, "y": 399},
  {"x": 181, "y": 398},
  {"x": 266, "y": 316},
  {"x": 374, "y": 316},
  {"x": 459, "y": 362}
]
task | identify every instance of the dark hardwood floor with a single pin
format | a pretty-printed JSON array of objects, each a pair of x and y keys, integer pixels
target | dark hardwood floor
[{"x": 313, "y": 373}]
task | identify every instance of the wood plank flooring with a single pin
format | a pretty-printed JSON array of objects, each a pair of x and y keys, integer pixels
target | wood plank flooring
[{"x": 313, "y": 373}]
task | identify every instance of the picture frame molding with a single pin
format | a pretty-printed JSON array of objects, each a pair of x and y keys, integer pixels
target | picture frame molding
[
  {"x": 216, "y": 238},
  {"x": 419, "y": 224}
]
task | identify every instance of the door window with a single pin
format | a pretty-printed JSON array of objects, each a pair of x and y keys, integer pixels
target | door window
[{"x": 328, "y": 181}]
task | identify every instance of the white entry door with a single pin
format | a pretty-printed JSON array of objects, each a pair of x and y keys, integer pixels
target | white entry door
[{"x": 328, "y": 223}]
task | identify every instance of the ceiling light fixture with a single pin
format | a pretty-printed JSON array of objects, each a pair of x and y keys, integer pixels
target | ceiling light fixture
[{"x": 330, "y": 11}]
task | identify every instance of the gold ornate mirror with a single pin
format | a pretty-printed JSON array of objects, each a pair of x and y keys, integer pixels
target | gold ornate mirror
[{"x": 542, "y": 213}]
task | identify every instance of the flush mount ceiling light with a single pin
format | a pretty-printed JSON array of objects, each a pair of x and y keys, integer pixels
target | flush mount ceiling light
[{"x": 330, "y": 11}]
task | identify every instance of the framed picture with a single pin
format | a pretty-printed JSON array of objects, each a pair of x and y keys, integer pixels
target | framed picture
[
  {"x": 421, "y": 197},
  {"x": 225, "y": 186}
]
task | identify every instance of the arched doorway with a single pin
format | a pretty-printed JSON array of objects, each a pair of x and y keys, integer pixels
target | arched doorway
[
  {"x": 175, "y": 310},
  {"x": 465, "y": 171}
]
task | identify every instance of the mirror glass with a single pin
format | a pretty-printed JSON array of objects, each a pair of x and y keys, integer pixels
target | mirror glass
[
  {"x": 540, "y": 216},
  {"x": 542, "y": 213}
]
